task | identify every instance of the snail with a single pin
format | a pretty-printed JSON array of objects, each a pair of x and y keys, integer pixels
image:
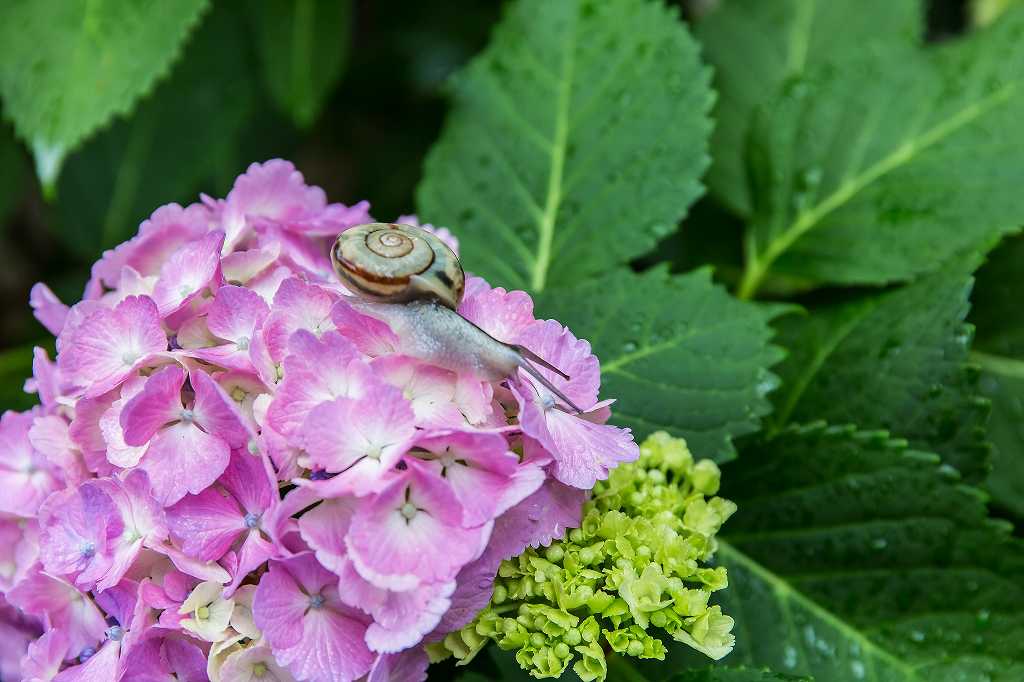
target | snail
[{"x": 410, "y": 279}]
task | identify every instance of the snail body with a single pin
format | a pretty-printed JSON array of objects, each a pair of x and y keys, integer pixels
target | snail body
[{"x": 409, "y": 279}]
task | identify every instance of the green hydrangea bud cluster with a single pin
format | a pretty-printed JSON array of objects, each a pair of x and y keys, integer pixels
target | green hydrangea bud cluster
[{"x": 637, "y": 561}]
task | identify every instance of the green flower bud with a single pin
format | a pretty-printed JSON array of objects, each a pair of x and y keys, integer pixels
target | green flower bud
[{"x": 634, "y": 571}]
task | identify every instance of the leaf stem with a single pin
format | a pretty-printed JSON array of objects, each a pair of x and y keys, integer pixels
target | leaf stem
[{"x": 997, "y": 364}]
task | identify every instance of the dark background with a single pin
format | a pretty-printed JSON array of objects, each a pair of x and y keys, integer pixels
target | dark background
[{"x": 368, "y": 142}]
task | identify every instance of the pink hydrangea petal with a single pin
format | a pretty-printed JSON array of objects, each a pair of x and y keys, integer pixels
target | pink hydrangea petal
[
  {"x": 187, "y": 272},
  {"x": 584, "y": 452},
  {"x": 119, "y": 453},
  {"x": 371, "y": 336},
  {"x": 540, "y": 518},
  {"x": 47, "y": 308},
  {"x": 297, "y": 305},
  {"x": 429, "y": 389},
  {"x": 249, "y": 482},
  {"x": 400, "y": 552},
  {"x": 273, "y": 190},
  {"x": 45, "y": 656},
  {"x": 206, "y": 525},
  {"x": 25, "y": 475},
  {"x": 308, "y": 257},
  {"x": 558, "y": 346},
  {"x": 183, "y": 459},
  {"x": 324, "y": 528},
  {"x": 407, "y": 666},
  {"x": 316, "y": 371},
  {"x": 236, "y": 313},
  {"x": 110, "y": 344},
  {"x": 401, "y": 619},
  {"x": 85, "y": 431},
  {"x": 46, "y": 378},
  {"x": 63, "y": 606},
  {"x": 101, "y": 667},
  {"x": 344, "y": 431},
  {"x": 502, "y": 314},
  {"x": 241, "y": 266},
  {"x": 254, "y": 552},
  {"x": 19, "y": 549},
  {"x": 49, "y": 437},
  {"x": 478, "y": 467},
  {"x": 331, "y": 649},
  {"x": 215, "y": 412},
  {"x": 164, "y": 232},
  {"x": 280, "y": 605},
  {"x": 157, "y": 404}
]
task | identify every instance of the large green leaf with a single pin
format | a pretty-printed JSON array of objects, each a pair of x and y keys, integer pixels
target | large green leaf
[
  {"x": 677, "y": 353},
  {"x": 755, "y": 45},
  {"x": 68, "y": 66},
  {"x": 882, "y": 166},
  {"x": 892, "y": 361},
  {"x": 1002, "y": 382},
  {"x": 576, "y": 141},
  {"x": 852, "y": 558},
  {"x": 303, "y": 45},
  {"x": 181, "y": 139},
  {"x": 996, "y": 311}
]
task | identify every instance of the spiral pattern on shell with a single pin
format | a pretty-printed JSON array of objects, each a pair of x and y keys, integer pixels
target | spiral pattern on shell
[{"x": 397, "y": 264}]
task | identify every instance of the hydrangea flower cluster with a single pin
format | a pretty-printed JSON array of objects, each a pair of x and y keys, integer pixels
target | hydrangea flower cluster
[
  {"x": 233, "y": 473},
  {"x": 634, "y": 562}
]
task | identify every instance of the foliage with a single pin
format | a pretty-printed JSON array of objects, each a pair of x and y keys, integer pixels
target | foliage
[
  {"x": 576, "y": 140},
  {"x": 88, "y": 63},
  {"x": 863, "y": 162},
  {"x": 679, "y": 353}
]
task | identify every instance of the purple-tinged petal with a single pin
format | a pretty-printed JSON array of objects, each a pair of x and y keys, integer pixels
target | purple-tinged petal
[
  {"x": 45, "y": 655},
  {"x": 215, "y": 412},
  {"x": 375, "y": 430},
  {"x": 184, "y": 459},
  {"x": 158, "y": 404},
  {"x": 187, "y": 272},
  {"x": 26, "y": 477},
  {"x": 401, "y": 619},
  {"x": 235, "y": 315},
  {"x": 407, "y": 666},
  {"x": 297, "y": 305},
  {"x": 47, "y": 308},
  {"x": 429, "y": 389},
  {"x": 206, "y": 525},
  {"x": 63, "y": 606},
  {"x": 371, "y": 336},
  {"x": 109, "y": 344},
  {"x": 324, "y": 529},
  {"x": 502, "y": 314},
  {"x": 411, "y": 533}
]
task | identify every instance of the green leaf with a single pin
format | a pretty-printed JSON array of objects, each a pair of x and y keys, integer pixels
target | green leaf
[
  {"x": 575, "y": 142},
  {"x": 303, "y": 45},
  {"x": 893, "y": 361},
  {"x": 995, "y": 310},
  {"x": 181, "y": 139},
  {"x": 67, "y": 68},
  {"x": 1002, "y": 382},
  {"x": 677, "y": 353},
  {"x": 739, "y": 674},
  {"x": 852, "y": 558},
  {"x": 755, "y": 45},
  {"x": 881, "y": 167}
]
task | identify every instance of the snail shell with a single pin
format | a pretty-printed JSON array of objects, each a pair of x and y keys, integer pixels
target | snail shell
[{"x": 393, "y": 263}]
